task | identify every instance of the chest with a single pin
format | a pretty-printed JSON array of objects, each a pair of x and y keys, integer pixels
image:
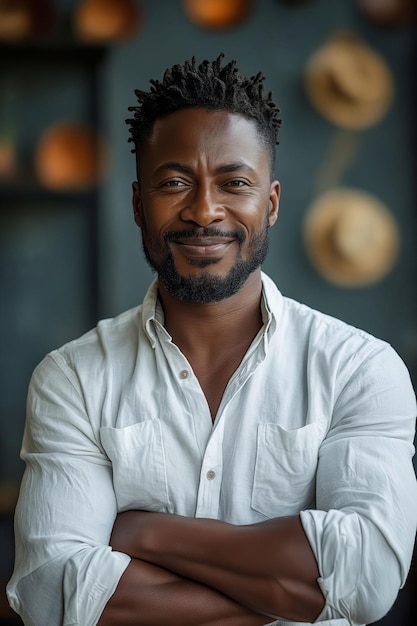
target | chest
[
  {"x": 214, "y": 371},
  {"x": 213, "y": 381},
  {"x": 247, "y": 466}
]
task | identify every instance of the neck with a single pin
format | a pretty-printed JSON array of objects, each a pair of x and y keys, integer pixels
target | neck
[
  {"x": 215, "y": 337},
  {"x": 211, "y": 326}
]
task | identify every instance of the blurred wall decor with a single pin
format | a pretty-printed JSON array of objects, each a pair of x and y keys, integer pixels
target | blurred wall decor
[
  {"x": 106, "y": 21},
  {"x": 390, "y": 13},
  {"x": 351, "y": 237},
  {"x": 23, "y": 19},
  {"x": 349, "y": 83},
  {"x": 218, "y": 14},
  {"x": 70, "y": 156}
]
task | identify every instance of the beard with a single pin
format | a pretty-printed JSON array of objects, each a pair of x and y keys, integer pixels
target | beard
[{"x": 207, "y": 287}]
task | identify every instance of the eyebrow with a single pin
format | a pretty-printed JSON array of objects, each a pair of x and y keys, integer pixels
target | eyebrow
[
  {"x": 234, "y": 167},
  {"x": 222, "y": 169}
]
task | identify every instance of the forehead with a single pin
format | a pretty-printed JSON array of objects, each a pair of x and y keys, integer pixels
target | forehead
[{"x": 198, "y": 133}]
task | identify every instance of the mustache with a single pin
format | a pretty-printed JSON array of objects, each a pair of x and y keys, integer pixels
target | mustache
[{"x": 209, "y": 231}]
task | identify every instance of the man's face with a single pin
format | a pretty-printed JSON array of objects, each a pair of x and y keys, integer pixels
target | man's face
[{"x": 204, "y": 202}]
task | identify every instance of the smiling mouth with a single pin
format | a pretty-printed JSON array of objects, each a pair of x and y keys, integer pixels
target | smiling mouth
[{"x": 208, "y": 247}]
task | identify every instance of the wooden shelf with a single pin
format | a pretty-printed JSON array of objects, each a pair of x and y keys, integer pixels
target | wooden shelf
[{"x": 23, "y": 184}]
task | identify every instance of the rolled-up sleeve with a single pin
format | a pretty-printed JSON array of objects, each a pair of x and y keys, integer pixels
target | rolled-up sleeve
[
  {"x": 363, "y": 530},
  {"x": 65, "y": 570}
]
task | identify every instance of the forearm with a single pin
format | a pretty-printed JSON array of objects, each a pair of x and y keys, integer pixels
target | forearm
[
  {"x": 152, "y": 596},
  {"x": 268, "y": 566}
]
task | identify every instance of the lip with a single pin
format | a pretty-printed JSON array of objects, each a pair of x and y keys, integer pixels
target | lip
[{"x": 203, "y": 246}]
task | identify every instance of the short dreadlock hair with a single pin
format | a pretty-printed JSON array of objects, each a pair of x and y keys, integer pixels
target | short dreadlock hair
[{"x": 209, "y": 86}]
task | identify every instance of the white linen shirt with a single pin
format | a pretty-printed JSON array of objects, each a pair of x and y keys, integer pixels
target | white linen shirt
[{"x": 318, "y": 418}]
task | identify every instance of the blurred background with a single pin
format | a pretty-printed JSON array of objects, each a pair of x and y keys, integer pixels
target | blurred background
[{"x": 343, "y": 73}]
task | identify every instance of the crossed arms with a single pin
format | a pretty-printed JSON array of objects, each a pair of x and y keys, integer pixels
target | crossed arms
[
  {"x": 200, "y": 571},
  {"x": 205, "y": 572}
]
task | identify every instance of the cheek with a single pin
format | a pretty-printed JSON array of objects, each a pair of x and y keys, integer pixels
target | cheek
[
  {"x": 261, "y": 220},
  {"x": 151, "y": 223},
  {"x": 158, "y": 215},
  {"x": 153, "y": 237}
]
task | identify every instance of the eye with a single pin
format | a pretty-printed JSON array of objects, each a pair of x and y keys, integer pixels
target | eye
[
  {"x": 236, "y": 183},
  {"x": 173, "y": 183}
]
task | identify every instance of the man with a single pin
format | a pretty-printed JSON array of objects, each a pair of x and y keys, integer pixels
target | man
[{"x": 221, "y": 455}]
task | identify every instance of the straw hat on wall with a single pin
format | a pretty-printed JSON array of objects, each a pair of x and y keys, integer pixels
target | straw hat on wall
[
  {"x": 348, "y": 82},
  {"x": 351, "y": 238}
]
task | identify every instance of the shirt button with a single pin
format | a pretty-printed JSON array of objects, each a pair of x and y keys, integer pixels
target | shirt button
[
  {"x": 211, "y": 474},
  {"x": 184, "y": 374}
]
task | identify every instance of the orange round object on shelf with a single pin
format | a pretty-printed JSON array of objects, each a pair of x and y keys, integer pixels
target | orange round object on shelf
[
  {"x": 7, "y": 158},
  {"x": 15, "y": 20},
  {"x": 106, "y": 20},
  {"x": 70, "y": 156},
  {"x": 218, "y": 14},
  {"x": 21, "y": 19}
]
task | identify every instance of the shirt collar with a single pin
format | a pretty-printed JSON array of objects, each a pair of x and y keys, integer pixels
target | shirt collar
[
  {"x": 152, "y": 313},
  {"x": 271, "y": 306},
  {"x": 271, "y": 309}
]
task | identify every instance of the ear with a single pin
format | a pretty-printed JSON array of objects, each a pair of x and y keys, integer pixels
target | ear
[
  {"x": 274, "y": 194},
  {"x": 137, "y": 204}
]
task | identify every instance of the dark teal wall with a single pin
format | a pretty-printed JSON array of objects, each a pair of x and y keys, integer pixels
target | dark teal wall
[{"x": 277, "y": 39}]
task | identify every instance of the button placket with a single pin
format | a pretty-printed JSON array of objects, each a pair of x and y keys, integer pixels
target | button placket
[{"x": 208, "y": 500}]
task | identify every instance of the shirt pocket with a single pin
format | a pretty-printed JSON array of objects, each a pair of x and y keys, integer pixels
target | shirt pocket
[
  {"x": 285, "y": 468},
  {"x": 139, "y": 468}
]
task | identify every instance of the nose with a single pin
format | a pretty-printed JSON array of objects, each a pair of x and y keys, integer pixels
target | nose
[{"x": 203, "y": 207}]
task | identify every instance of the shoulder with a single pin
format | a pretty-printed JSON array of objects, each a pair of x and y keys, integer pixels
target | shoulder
[
  {"x": 332, "y": 347},
  {"x": 293, "y": 318},
  {"x": 328, "y": 331},
  {"x": 112, "y": 334},
  {"x": 113, "y": 340}
]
